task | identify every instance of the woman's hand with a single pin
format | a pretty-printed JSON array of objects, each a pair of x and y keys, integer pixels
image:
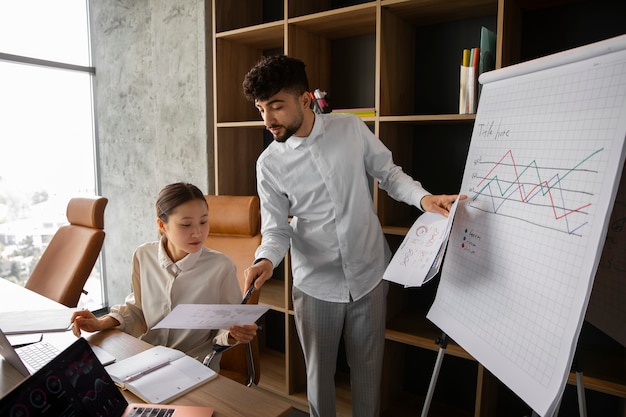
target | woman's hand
[
  {"x": 244, "y": 333},
  {"x": 85, "y": 320}
]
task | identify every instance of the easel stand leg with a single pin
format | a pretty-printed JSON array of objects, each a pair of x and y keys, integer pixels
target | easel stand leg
[
  {"x": 443, "y": 343},
  {"x": 580, "y": 389}
]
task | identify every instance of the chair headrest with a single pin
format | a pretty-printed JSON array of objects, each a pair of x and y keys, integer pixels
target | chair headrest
[
  {"x": 87, "y": 211},
  {"x": 233, "y": 215}
]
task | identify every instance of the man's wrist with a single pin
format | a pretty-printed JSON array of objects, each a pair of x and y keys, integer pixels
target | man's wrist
[{"x": 256, "y": 261}]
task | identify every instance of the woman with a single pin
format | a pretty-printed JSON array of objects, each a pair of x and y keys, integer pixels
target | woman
[{"x": 177, "y": 269}]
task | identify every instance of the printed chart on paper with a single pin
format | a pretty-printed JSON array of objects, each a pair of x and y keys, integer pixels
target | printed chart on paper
[{"x": 546, "y": 151}]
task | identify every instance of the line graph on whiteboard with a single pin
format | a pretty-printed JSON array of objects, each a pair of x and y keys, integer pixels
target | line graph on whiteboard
[{"x": 547, "y": 196}]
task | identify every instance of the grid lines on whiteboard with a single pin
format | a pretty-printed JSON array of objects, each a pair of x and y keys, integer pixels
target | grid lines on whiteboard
[{"x": 534, "y": 173}]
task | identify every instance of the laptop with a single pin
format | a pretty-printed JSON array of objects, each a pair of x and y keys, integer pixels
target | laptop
[
  {"x": 29, "y": 358},
  {"x": 75, "y": 384}
]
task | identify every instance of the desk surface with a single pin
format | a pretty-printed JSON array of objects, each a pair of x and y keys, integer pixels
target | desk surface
[{"x": 226, "y": 396}]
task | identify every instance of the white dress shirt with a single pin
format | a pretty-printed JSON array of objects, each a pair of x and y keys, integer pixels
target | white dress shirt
[
  {"x": 159, "y": 285},
  {"x": 338, "y": 249}
]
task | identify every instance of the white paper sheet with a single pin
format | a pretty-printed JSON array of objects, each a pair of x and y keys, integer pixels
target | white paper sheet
[
  {"x": 211, "y": 316},
  {"x": 419, "y": 257}
]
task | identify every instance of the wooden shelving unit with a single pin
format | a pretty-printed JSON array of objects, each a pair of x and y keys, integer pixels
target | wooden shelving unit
[{"x": 402, "y": 58}]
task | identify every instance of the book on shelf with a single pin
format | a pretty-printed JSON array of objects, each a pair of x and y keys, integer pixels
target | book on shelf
[
  {"x": 159, "y": 374},
  {"x": 474, "y": 62},
  {"x": 463, "y": 82},
  {"x": 472, "y": 81},
  {"x": 360, "y": 111},
  {"x": 487, "y": 60},
  {"x": 468, "y": 84}
]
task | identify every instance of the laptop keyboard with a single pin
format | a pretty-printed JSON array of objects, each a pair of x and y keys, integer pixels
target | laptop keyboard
[
  {"x": 37, "y": 354},
  {"x": 151, "y": 412}
]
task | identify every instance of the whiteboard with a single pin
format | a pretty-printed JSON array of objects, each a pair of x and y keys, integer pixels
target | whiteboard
[{"x": 546, "y": 153}]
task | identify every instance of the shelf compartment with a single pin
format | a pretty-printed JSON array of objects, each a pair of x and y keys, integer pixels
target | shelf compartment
[
  {"x": 456, "y": 383},
  {"x": 421, "y": 148},
  {"x": 272, "y": 371},
  {"x": 536, "y": 29},
  {"x": 236, "y": 152},
  {"x": 344, "y": 67},
  {"x": 406, "y": 315},
  {"x": 339, "y": 50},
  {"x": 234, "y": 14},
  {"x": 234, "y": 60},
  {"x": 428, "y": 12},
  {"x": 273, "y": 294},
  {"x": 340, "y": 23},
  {"x": 421, "y": 50}
]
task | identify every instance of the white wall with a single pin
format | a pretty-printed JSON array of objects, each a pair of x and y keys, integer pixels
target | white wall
[{"x": 152, "y": 116}]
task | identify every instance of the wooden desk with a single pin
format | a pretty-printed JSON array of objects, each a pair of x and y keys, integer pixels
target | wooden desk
[{"x": 227, "y": 397}]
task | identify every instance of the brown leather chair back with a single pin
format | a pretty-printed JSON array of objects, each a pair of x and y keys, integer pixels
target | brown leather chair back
[
  {"x": 69, "y": 258},
  {"x": 235, "y": 230}
]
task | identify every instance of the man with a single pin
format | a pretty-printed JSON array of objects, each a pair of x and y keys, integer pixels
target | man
[{"x": 316, "y": 171}]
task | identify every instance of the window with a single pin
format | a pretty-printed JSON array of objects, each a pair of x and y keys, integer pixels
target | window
[{"x": 46, "y": 129}]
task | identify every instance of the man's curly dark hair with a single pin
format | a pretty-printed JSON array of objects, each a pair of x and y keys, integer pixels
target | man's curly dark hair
[{"x": 272, "y": 74}]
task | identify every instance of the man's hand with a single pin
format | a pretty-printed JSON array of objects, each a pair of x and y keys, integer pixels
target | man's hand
[
  {"x": 258, "y": 273},
  {"x": 440, "y": 203}
]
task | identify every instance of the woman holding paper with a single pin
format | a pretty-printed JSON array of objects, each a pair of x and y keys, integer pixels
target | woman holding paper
[{"x": 177, "y": 269}]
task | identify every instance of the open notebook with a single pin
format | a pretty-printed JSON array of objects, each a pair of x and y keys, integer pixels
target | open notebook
[{"x": 75, "y": 383}]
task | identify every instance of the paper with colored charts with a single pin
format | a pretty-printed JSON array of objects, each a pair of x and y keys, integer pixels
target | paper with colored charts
[{"x": 419, "y": 257}]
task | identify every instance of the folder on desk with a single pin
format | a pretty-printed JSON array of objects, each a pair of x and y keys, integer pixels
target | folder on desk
[{"x": 36, "y": 321}]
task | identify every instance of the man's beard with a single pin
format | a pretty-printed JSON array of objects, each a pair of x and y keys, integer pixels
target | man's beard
[{"x": 289, "y": 131}]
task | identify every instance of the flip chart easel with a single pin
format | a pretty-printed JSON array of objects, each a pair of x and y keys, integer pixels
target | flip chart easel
[{"x": 542, "y": 173}]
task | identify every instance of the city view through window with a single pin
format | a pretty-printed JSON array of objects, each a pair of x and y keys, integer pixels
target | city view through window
[{"x": 47, "y": 153}]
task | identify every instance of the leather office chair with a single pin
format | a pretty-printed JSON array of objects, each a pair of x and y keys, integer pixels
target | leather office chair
[
  {"x": 69, "y": 258},
  {"x": 235, "y": 230}
]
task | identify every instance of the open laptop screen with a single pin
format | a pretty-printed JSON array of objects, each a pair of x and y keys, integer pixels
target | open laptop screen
[{"x": 74, "y": 384}]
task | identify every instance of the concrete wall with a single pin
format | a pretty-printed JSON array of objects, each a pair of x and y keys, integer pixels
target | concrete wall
[{"x": 153, "y": 116}]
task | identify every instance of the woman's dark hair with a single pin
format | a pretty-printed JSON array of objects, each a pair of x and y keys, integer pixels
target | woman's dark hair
[
  {"x": 173, "y": 195},
  {"x": 272, "y": 74}
]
